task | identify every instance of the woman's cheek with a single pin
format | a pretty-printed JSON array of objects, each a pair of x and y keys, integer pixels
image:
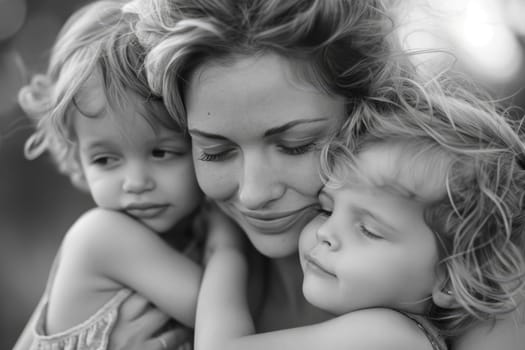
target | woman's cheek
[
  {"x": 217, "y": 181},
  {"x": 308, "y": 237}
]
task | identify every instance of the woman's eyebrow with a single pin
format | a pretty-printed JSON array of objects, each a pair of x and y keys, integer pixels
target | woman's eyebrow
[
  {"x": 196, "y": 132},
  {"x": 269, "y": 132},
  {"x": 289, "y": 125}
]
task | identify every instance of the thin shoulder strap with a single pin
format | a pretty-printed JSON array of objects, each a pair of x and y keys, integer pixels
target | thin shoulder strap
[{"x": 435, "y": 339}]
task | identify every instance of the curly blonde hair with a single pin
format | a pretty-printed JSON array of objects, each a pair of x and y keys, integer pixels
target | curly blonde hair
[
  {"x": 96, "y": 39},
  {"x": 453, "y": 129}
]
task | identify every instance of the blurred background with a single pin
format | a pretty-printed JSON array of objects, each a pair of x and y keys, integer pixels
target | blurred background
[{"x": 37, "y": 205}]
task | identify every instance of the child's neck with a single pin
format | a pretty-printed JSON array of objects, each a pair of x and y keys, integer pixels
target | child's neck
[{"x": 180, "y": 235}]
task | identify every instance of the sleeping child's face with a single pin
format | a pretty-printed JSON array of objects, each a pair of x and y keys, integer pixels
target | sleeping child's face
[
  {"x": 370, "y": 247},
  {"x": 132, "y": 166}
]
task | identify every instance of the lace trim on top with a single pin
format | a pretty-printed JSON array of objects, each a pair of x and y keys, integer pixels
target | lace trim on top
[{"x": 92, "y": 334}]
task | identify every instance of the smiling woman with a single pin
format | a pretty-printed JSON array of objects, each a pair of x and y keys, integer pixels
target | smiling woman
[
  {"x": 260, "y": 168},
  {"x": 262, "y": 85}
]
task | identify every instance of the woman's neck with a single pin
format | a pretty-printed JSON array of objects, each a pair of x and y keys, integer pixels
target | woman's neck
[
  {"x": 286, "y": 280},
  {"x": 284, "y": 305}
]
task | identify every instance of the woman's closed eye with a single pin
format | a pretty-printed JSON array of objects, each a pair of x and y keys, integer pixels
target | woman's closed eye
[
  {"x": 297, "y": 150},
  {"x": 216, "y": 154}
]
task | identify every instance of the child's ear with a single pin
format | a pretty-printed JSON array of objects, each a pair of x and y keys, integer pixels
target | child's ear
[
  {"x": 79, "y": 180},
  {"x": 442, "y": 292}
]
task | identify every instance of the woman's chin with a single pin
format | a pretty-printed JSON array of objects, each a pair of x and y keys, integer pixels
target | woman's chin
[{"x": 275, "y": 246}]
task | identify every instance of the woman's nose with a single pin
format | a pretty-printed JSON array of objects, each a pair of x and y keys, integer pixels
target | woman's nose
[
  {"x": 260, "y": 183},
  {"x": 327, "y": 234},
  {"x": 137, "y": 179}
]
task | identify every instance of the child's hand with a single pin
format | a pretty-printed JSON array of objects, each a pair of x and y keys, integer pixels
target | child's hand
[{"x": 223, "y": 233}]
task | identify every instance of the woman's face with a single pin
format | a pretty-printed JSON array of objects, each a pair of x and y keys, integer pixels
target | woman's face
[{"x": 256, "y": 133}]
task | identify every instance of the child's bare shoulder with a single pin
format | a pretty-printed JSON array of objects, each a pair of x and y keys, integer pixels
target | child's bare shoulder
[{"x": 102, "y": 231}]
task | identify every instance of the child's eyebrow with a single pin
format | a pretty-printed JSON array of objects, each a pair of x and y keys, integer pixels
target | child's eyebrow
[
  {"x": 397, "y": 188},
  {"x": 90, "y": 145},
  {"x": 388, "y": 184},
  {"x": 377, "y": 218}
]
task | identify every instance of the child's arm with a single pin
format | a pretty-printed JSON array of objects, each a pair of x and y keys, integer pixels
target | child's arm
[
  {"x": 105, "y": 250},
  {"x": 222, "y": 309},
  {"x": 371, "y": 329}
]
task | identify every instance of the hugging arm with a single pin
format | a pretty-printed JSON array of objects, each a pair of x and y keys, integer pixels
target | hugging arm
[
  {"x": 140, "y": 325},
  {"x": 112, "y": 246},
  {"x": 222, "y": 309},
  {"x": 223, "y": 322}
]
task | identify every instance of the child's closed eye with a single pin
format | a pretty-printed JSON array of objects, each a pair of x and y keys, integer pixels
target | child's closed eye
[
  {"x": 324, "y": 212},
  {"x": 368, "y": 232}
]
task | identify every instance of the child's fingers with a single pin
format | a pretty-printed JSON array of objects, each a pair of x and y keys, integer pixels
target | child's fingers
[
  {"x": 133, "y": 307},
  {"x": 174, "y": 339},
  {"x": 151, "y": 322},
  {"x": 137, "y": 333},
  {"x": 139, "y": 325}
]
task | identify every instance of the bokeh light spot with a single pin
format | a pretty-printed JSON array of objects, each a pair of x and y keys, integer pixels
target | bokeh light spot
[
  {"x": 13, "y": 76},
  {"x": 12, "y": 15}
]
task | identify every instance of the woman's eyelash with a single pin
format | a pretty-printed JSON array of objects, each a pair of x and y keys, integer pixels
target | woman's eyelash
[
  {"x": 299, "y": 149},
  {"x": 212, "y": 157}
]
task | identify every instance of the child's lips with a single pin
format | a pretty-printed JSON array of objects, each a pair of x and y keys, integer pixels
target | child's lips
[
  {"x": 313, "y": 265},
  {"x": 145, "y": 210}
]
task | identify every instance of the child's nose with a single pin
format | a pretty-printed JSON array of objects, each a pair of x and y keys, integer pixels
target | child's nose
[
  {"x": 327, "y": 234},
  {"x": 137, "y": 179}
]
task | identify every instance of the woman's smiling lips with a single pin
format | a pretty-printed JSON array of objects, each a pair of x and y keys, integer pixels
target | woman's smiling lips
[{"x": 277, "y": 222}]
